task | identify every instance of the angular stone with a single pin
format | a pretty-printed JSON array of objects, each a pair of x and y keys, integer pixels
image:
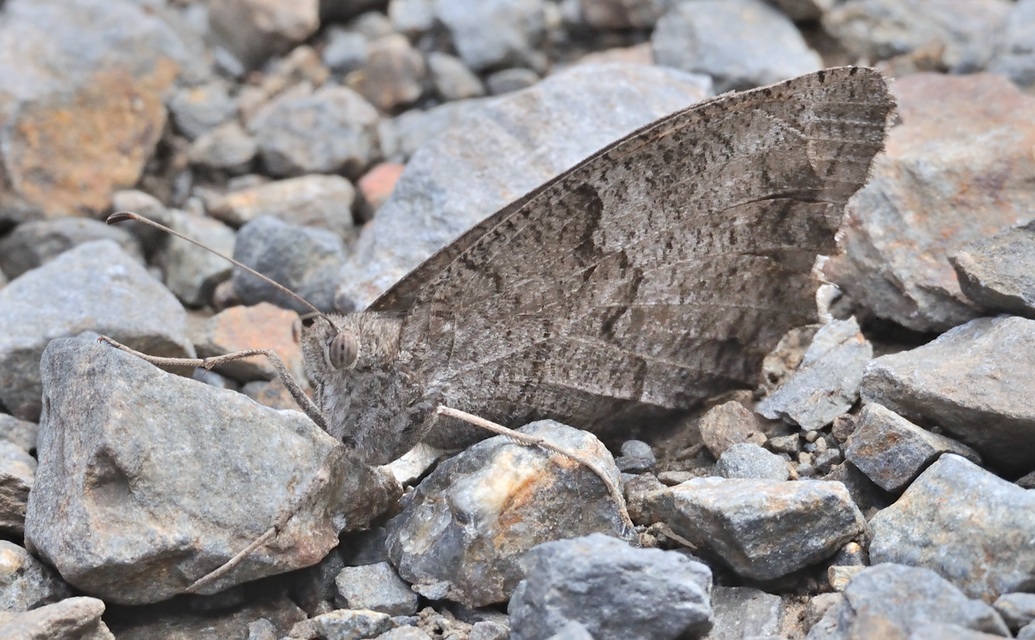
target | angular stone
[
  {"x": 1017, "y": 609},
  {"x": 743, "y": 612},
  {"x": 201, "y": 108},
  {"x": 34, "y": 243},
  {"x": 966, "y": 382},
  {"x": 313, "y": 201},
  {"x": 263, "y": 326},
  {"x": 345, "y": 50},
  {"x": 963, "y": 522},
  {"x": 17, "y": 475},
  {"x": 469, "y": 522},
  {"x": 147, "y": 481},
  {"x": 192, "y": 273},
  {"x": 804, "y": 522},
  {"x": 256, "y": 30},
  {"x": 93, "y": 287},
  {"x": 614, "y": 590},
  {"x": 20, "y": 432},
  {"x": 393, "y": 74},
  {"x": 494, "y": 33},
  {"x": 752, "y": 461},
  {"x": 998, "y": 273},
  {"x": 377, "y": 587},
  {"x": 892, "y": 451},
  {"x": 227, "y": 147},
  {"x": 348, "y": 623},
  {"x": 728, "y": 424},
  {"x": 25, "y": 582},
  {"x": 826, "y": 383},
  {"x": 1014, "y": 56},
  {"x": 69, "y": 619},
  {"x": 453, "y": 80}
]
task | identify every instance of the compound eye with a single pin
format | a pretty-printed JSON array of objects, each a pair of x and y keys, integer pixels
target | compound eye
[{"x": 343, "y": 351}]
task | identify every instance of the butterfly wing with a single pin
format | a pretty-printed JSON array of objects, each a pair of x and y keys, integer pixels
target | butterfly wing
[{"x": 657, "y": 272}]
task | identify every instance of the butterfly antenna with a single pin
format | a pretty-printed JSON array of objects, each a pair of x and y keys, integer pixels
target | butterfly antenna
[{"x": 129, "y": 215}]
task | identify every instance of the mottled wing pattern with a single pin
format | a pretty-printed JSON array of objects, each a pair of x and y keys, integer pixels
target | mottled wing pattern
[{"x": 655, "y": 273}]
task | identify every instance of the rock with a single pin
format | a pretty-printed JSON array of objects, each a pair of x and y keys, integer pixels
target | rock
[
  {"x": 133, "y": 505},
  {"x": 490, "y": 630},
  {"x": 294, "y": 75},
  {"x": 469, "y": 522},
  {"x": 81, "y": 120},
  {"x": 740, "y": 43},
  {"x": 892, "y": 451},
  {"x": 93, "y": 287},
  {"x": 826, "y": 383},
  {"x": 803, "y": 10},
  {"x": 34, "y": 243},
  {"x": 313, "y": 200},
  {"x": 940, "y": 630},
  {"x": 306, "y": 260},
  {"x": 345, "y": 624},
  {"x": 574, "y": 115},
  {"x": 893, "y": 601},
  {"x": 332, "y": 130},
  {"x": 192, "y": 273},
  {"x": 19, "y": 432},
  {"x": 1017, "y": 609},
  {"x": 25, "y": 582},
  {"x": 17, "y": 474},
  {"x": 69, "y": 619},
  {"x": 345, "y": 50},
  {"x": 604, "y": 15},
  {"x": 637, "y": 457},
  {"x": 931, "y": 194},
  {"x": 148, "y": 206},
  {"x": 376, "y": 587},
  {"x": 404, "y": 633},
  {"x": 451, "y": 79},
  {"x": 227, "y": 147},
  {"x": 752, "y": 461},
  {"x": 880, "y": 29},
  {"x": 1014, "y": 57},
  {"x": 614, "y": 590},
  {"x": 965, "y": 382},
  {"x": 201, "y": 108},
  {"x": 256, "y": 30},
  {"x": 509, "y": 80},
  {"x": 376, "y": 186},
  {"x": 805, "y": 522},
  {"x": 494, "y": 33},
  {"x": 998, "y": 273},
  {"x": 393, "y": 74},
  {"x": 408, "y": 132},
  {"x": 728, "y": 424},
  {"x": 963, "y": 522},
  {"x": 263, "y": 326},
  {"x": 743, "y": 612}
]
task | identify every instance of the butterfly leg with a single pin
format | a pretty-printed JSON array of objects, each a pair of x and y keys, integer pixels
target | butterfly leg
[
  {"x": 535, "y": 441},
  {"x": 304, "y": 401}
]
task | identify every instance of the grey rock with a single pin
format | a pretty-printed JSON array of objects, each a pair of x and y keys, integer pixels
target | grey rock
[
  {"x": 572, "y": 631},
  {"x": 998, "y": 273},
  {"x": 752, "y": 461},
  {"x": 741, "y": 43},
  {"x": 198, "y": 109},
  {"x": 345, "y": 50},
  {"x": 262, "y": 629},
  {"x": 412, "y": 17},
  {"x": 148, "y": 206},
  {"x": 728, "y": 424},
  {"x": 69, "y": 619},
  {"x": 826, "y": 383},
  {"x": 804, "y": 522},
  {"x": 620, "y": 14},
  {"x": 494, "y": 33},
  {"x": 17, "y": 475},
  {"x": 963, "y": 522},
  {"x": 393, "y": 74},
  {"x": 489, "y": 630},
  {"x": 227, "y": 147},
  {"x": 313, "y": 200},
  {"x": 35, "y": 243},
  {"x": 789, "y": 444},
  {"x": 332, "y": 130},
  {"x": 880, "y": 29},
  {"x": 469, "y": 522},
  {"x": 614, "y": 590},
  {"x": 134, "y": 504},
  {"x": 941, "y": 630},
  {"x": 966, "y": 382},
  {"x": 865, "y": 494},
  {"x": 451, "y": 79},
  {"x": 404, "y": 633},
  {"x": 743, "y": 612},
  {"x": 253, "y": 31},
  {"x": 1017, "y": 609},
  {"x": 576, "y": 112},
  {"x": 510, "y": 80},
  {"x": 25, "y": 582},
  {"x": 803, "y": 10},
  {"x": 376, "y": 587},
  {"x": 20, "y": 432},
  {"x": 1027, "y": 632},
  {"x": 408, "y": 132},
  {"x": 306, "y": 260},
  {"x": 93, "y": 287},
  {"x": 1014, "y": 56},
  {"x": 349, "y": 624},
  {"x": 637, "y": 457},
  {"x": 891, "y": 601},
  {"x": 892, "y": 451},
  {"x": 191, "y": 272}
]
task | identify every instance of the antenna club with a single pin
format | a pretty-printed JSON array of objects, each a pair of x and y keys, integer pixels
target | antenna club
[{"x": 121, "y": 216}]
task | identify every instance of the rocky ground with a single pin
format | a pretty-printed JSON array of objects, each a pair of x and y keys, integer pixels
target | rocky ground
[{"x": 875, "y": 485}]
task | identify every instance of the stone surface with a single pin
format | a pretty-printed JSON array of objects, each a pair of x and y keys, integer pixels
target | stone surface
[
  {"x": 376, "y": 186},
  {"x": 452, "y": 79},
  {"x": 637, "y": 457},
  {"x": 313, "y": 200},
  {"x": 69, "y": 619},
  {"x": 306, "y": 260},
  {"x": 740, "y": 43},
  {"x": 803, "y": 10},
  {"x": 133, "y": 505},
  {"x": 963, "y": 522},
  {"x": 20, "y": 432},
  {"x": 614, "y": 590},
  {"x": 469, "y": 523},
  {"x": 331, "y": 130},
  {"x": 227, "y": 147},
  {"x": 892, "y": 451},
  {"x": 345, "y": 50},
  {"x": 826, "y": 383},
  {"x": 743, "y": 612},
  {"x": 728, "y": 424},
  {"x": 25, "y": 582},
  {"x": 966, "y": 383},
  {"x": 409, "y": 131},
  {"x": 1017, "y": 609},
  {"x": 198, "y": 109},
  {"x": 1014, "y": 56},
  {"x": 746, "y": 460},
  {"x": 17, "y": 474},
  {"x": 998, "y": 273},
  {"x": 893, "y": 601},
  {"x": 240, "y": 328},
  {"x": 344, "y": 624},
  {"x": 34, "y": 243},
  {"x": 376, "y": 587},
  {"x": 621, "y": 14},
  {"x": 493, "y": 33},
  {"x": 539, "y": 134},
  {"x": 256, "y": 30},
  {"x": 93, "y": 287},
  {"x": 192, "y": 273},
  {"x": 393, "y": 73},
  {"x": 804, "y": 522},
  {"x": 931, "y": 194},
  {"x": 508, "y": 80}
]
